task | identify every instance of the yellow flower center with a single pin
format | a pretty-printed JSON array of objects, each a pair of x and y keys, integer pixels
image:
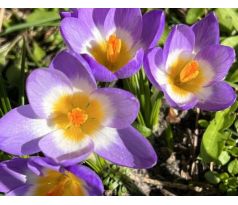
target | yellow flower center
[
  {"x": 77, "y": 115},
  {"x": 113, "y": 52},
  {"x": 54, "y": 183},
  {"x": 185, "y": 76}
]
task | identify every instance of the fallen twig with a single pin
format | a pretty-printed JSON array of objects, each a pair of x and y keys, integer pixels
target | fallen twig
[{"x": 161, "y": 184}]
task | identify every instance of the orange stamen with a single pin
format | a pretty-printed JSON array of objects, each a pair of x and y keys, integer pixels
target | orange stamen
[
  {"x": 189, "y": 72},
  {"x": 113, "y": 48},
  {"x": 77, "y": 117}
]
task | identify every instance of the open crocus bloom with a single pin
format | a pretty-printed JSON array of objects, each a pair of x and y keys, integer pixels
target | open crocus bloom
[
  {"x": 112, "y": 40},
  {"x": 38, "y": 176},
  {"x": 68, "y": 118},
  {"x": 191, "y": 67}
]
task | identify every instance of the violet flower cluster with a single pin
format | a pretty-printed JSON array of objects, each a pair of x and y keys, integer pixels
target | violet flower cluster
[{"x": 69, "y": 118}]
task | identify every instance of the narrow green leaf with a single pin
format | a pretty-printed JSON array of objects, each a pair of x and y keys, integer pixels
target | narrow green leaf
[
  {"x": 22, "y": 76},
  {"x": 143, "y": 129},
  {"x": 230, "y": 41},
  {"x": 23, "y": 26},
  {"x": 228, "y": 18},
  {"x": 194, "y": 14},
  {"x": 6, "y": 106},
  {"x": 38, "y": 52}
]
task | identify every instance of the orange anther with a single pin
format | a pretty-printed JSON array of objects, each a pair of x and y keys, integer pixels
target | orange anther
[
  {"x": 113, "y": 48},
  {"x": 189, "y": 72},
  {"x": 77, "y": 116}
]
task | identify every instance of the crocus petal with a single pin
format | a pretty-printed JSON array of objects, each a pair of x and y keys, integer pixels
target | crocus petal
[
  {"x": 206, "y": 32},
  {"x": 127, "y": 23},
  {"x": 220, "y": 96},
  {"x": 92, "y": 181},
  {"x": 177, "y": 100},
  {"x": 125, "y": 147},
  {"x": 70, "y": 13},
  {"x": 76, "y": 69},
  {"x": 44, "y": 87},
  {"x": 132, "y": 66},
  {"x": 20, "y": 131},
  {"x": 65, "y": 151},
  {"x": 24, "y": 190},
  {"x": 153, "y": 66},
  {"x": 100, "y": 72},
  {"x": 95, "y": 17},
  {"x": 12, "y": 174},
  {"x": 181, "y": 39},
  {"x": 38, "y": 164},
  {"x": 120, "y": 107},
  {"x": 77, "y": 33},
  {"x": 153, "y": 26},
  {"x": 218, "y": 59}
]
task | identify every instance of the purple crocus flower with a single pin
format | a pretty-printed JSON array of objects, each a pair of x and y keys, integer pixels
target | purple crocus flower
[
  {"x": 68, "y": 118},
  {"x": 112, "y": 40},
  {"x": 38, "y": 176},
  {"x": 191, "y": 67}
]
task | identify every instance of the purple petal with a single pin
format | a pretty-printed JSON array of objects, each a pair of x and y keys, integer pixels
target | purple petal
[
  {"x": 153, "y": 27},
  {"x": 125, "y": 20},
  {"x": 77, "y": 32},
  {"x": 221, "y": 96},
  {"x": 94, "y": 184},
  {"x": 44, "y": 87},
  {"x": 71, "y": 13},
  {"x": 21, "y": 191},
  {"x": 180, "y": 39},
  {"x": 65, "y": 151},
  {"x": 153, "y": 64},
  {"x": 206, "y": 32},
  {"x": 129, "y": 149},
  {"x": 20, "y": 131},
  {"x": 12, "y": 174},
  {"x": 219, "y": 58},
  {"x": 38, "y": 164},
  {"x": 120, "y": 105},
  {"x": 132, "y": 66},
  {"x": 177, "y": 101},
  {"x": 76, "y": 69},
  {"x": 100, "y": 72}
]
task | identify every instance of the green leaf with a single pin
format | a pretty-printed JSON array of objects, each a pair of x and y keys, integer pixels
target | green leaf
[
  {"x": 38, "y": 52},
  {"x": 203, "y": 123},
  {"x": 214, "y": 137},
  {"x": 39, "y": 14},
  {"x": 212, "y": 177},
  {"x": 224, "y": 176},
  {"x": 234, "y": 151},
  {"x": 194, "y": 14},
  {"x": 230, "y": 41},
  {"x": 143, "y": 129},
  {"x": 53, "y": 21},
  {"x": 233, "y": 167},
  {"x": 6, "y": 48},
  {"x": 228, "y": 18},
  {"x": 224, "y": 157}
]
